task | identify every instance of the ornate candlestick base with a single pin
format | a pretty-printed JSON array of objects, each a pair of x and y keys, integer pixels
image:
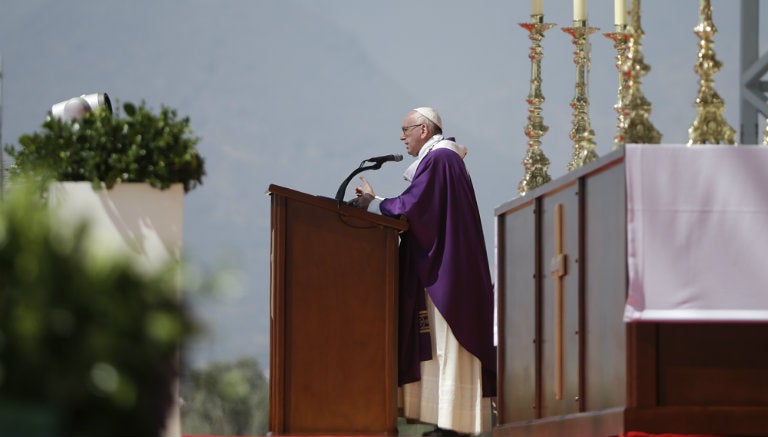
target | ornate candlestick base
[
  {"x": 535, "y": 162},
  {"x": 638, "y": 128},
  {"x": 709, "y": 126},
  {"x": 620, "y": 38},
  {"x": 581, "y": 134}
]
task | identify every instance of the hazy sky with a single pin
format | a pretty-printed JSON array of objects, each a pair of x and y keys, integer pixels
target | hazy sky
[{"x": 298, "y": 92}]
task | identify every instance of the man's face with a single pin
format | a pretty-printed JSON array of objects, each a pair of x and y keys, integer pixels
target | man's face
[{"x": 414, "y": 134}]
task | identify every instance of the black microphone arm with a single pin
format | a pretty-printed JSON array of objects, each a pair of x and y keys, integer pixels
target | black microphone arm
[
  {"x": 377, "y": 161},
  {"x": 385, "y": 158}
]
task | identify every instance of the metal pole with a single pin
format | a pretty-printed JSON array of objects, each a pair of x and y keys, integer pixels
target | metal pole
[
  {"x": 750, "y": 29},
  {"x": 2, "y": 151}
]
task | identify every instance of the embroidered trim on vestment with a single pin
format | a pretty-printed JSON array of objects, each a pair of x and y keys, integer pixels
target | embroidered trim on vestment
[{"x": 423, "y": 321}]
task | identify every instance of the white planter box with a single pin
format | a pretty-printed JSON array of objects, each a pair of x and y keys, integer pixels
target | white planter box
[{"x": 132, "y": 219}]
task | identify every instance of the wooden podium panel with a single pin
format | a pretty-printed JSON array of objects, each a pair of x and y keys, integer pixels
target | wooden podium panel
[
  {"x": 333, "y": 317},
  {"x": 568, "y": 363}
]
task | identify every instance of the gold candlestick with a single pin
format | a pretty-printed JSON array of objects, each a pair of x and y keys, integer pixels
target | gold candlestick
[
  {"x": 620, "y": 38},
  {"x": 581, "y": 134},
  {"x": 709, "y": 125},
  {"x": 638, "y": 128},
  {"x": 535, "y": 162}
]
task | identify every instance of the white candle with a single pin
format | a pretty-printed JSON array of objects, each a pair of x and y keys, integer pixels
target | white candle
[
  {"x": 579, "y": 10},
  {"x": 537, "y": 7},
  {"x": 620, "y": 12}
]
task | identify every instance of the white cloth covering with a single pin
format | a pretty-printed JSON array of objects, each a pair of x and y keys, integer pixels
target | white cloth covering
[
  {"x": 450, "y": 393},
  {"x": 696, "y": 233},
  {"x": 436, "y": 142}
]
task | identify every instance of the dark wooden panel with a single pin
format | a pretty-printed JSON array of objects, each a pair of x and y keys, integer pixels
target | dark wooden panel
[
  {"x": 333, "y": 327},
  {"x": 588, "y": 424},
  {"x": 517, "y": 321},
  {"x": 713, "y": 364},
  {"x": 277, "y": 327},
  {"x": 337, "y": 323},
  {"x": 720, "y": 421},
  {"x": 550, "y": 406},
  {"x": 605, "y": 284},
  {"x": 642, "y": 340},
  {"x": 682, "y": 378}
]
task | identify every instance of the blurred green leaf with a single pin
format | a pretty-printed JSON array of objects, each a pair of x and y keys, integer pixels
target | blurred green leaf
[
  {"x": 92, "y": 338},
  {"x": 226, "y": 398},
  {"x": 130, "y": 109}
]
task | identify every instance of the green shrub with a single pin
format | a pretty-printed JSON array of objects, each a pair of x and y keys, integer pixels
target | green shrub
[
  {"x": 103, "y": 148},
  {"x": 226, "y": 398},
  {"x": 89, "y": 338}
]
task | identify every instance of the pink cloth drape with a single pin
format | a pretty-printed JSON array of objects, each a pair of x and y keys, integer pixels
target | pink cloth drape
[{"x": 697, "y": 233}]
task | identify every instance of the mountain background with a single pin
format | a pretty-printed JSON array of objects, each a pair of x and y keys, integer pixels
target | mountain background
[{"x": 298, "y": 92}]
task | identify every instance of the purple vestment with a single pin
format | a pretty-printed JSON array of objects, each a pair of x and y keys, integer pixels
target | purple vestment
[{"x": 444, "y": 252}]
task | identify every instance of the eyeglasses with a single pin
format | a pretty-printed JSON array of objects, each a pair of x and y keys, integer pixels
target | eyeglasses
[{"x": 407, "y": 128}]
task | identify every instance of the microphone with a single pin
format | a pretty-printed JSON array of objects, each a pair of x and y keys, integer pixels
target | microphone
[
  {"x": 377, "y": 162},
  {"x": 385, "y": 158}
]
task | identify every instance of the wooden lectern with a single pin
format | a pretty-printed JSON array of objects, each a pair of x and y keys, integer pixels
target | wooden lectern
[
  {"x": 569, "y": 365},
  {"x": 333, "y": 339}
]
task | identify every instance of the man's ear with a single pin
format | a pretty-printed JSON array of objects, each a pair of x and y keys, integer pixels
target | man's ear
[{"x": 425, "y": 131}]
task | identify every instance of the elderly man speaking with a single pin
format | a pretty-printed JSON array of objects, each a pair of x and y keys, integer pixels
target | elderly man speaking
[{"x": 447, "y": 360}]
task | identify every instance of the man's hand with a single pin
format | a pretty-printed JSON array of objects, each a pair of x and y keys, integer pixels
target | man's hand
[{"x": 364, "y": 194}]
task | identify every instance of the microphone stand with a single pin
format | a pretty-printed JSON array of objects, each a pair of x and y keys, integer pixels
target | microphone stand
[{"x": 343, "y": 188}]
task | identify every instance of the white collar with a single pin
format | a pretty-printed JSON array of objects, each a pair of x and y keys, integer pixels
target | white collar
[{"x": 436, "y": 142}]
